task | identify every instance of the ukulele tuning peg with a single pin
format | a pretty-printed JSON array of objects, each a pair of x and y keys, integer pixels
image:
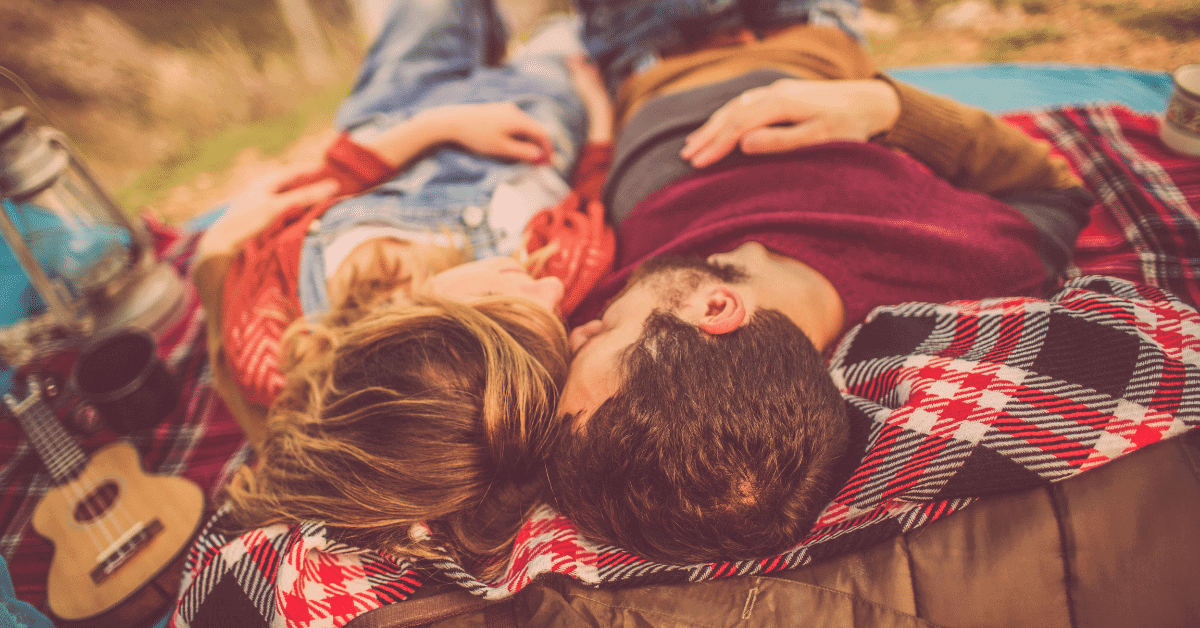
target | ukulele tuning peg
[{"x": 50, "y": 388}]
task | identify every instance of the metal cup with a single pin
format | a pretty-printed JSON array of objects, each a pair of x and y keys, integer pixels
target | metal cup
[
  {"x": 120, "y": 373},
  {"x": 1180, "y": 128}
]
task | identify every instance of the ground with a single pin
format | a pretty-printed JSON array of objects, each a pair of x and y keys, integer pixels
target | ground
[{"x": 1147, "y": 34}]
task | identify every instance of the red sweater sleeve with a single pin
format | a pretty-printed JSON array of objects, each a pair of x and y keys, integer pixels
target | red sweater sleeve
[
  {"x": 356, "y": 168},
  {"x": 585, "y": 245},
  {"x": 591, "y": 169}
]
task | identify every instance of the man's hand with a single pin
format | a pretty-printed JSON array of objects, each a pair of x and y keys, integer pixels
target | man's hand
[
  {"x": 589, "y": 86},
  {"x": 260, "y": 203},
  {"x": 497, "y": 129},
  {"x": 791, "y": 113}
]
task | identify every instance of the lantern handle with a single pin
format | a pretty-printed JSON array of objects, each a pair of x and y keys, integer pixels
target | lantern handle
[{"x": 27, "y": 90}]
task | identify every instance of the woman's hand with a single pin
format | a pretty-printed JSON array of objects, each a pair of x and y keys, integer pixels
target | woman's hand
[
  {"x": 496, "y": 129},
  {"x": 791, "y": 113},
  {"x": 589, "y": 86},
  {"x": 258, "y": 204}
]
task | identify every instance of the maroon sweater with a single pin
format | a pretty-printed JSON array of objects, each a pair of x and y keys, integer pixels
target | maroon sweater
[{"x": 879, "y": 226}]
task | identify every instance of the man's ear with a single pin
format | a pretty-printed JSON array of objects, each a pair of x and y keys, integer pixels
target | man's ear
[{"x": 722, "y": 309}]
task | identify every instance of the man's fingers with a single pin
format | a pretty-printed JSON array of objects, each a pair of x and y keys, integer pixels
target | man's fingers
[
  {"x": 714, "y": 140},
  {"x": 715, "y": 144},
  {"x": 777, "y": 139},
  {"x": 714, "y": 152},
  {"x": 703, "y": 136},
  {"x": 724, "y": 130}
]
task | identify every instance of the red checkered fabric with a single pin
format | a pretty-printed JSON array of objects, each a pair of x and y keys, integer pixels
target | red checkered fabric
[{"x": 1144, "y": 228}]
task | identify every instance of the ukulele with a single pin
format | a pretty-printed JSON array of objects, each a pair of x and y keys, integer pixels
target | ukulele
[{"x": 115, "y": 528}]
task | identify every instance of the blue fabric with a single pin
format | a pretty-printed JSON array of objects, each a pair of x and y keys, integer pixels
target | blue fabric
[
  {"x": 13, "y": 612},
  {"x": 1008, "y": 87},
  {"x": 62, "y": 250},
  {"x": 431, "y": 53},
  {"x": 624, "y": 35}
]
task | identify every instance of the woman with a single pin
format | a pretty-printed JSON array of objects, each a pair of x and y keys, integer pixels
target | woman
[{"x": 414, "y": 415}]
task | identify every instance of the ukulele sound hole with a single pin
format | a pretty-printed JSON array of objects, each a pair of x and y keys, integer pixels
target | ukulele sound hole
[{"x": 96, "y": 502}]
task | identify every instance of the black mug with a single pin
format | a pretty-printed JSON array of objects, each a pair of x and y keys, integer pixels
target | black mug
[{"x": 120, "y": 373}]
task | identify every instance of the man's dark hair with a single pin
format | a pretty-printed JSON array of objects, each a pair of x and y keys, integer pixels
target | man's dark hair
[{"x": 713, "y": 448}]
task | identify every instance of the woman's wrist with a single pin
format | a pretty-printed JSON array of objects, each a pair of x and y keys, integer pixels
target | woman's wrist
[
  {"x": 600, "y": 132},
  {"x": 399, "y": 144}
]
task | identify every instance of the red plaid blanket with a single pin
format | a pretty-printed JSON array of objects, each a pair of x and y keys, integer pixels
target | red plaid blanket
[
  {"x": 1145, "y": 226},
  {"x": 961, "y": 400}
]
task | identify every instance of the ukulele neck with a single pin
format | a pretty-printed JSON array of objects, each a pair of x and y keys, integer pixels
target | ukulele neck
[{"x": 63, "y": 457}]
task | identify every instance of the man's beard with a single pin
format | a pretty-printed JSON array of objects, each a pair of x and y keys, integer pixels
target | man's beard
[{"x": 674, "y": 277}]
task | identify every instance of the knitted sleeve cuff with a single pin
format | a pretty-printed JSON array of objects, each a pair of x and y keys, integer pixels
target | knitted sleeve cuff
[
  {"x": 358, "y": 168},
  {"x": 592, "y": 168},
  {"x": 926, "y": 128},
  {"x": 971, "y": 148}
]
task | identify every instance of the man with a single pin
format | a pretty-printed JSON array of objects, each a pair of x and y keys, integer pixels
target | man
[{"x": 706, "y": 426}]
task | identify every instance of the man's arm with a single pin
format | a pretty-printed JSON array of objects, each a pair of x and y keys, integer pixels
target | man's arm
[
  {"x": 971, "y": 148},
  {"x": 967, "y": 146}
]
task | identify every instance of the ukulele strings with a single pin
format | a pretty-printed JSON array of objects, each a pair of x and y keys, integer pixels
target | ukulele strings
[
  {"x": 117, "y": 514},
  {"x": 111, "y": 518},
  {"x": 64, "y": 459},
  {"x": 58, "y": 462},
  {"x": 107, "y": 515}
]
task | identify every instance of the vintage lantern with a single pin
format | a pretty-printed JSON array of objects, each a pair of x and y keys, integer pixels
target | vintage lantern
[{"x": 90, "y": 266}]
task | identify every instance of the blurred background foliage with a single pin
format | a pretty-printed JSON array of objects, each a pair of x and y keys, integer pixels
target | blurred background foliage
[
  {"x": 152, "y": 91},
  {"x": 177, "y": 103}
]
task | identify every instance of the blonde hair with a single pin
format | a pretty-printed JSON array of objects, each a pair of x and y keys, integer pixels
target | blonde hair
[
  {"x": 378, "y": 267},
  {"x": 434, "y": 412}
]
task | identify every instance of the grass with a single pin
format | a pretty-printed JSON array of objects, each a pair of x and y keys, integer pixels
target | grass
[
  {"x": 216, "y": 153},
  {"x": 879, "y": 45},
  {"x": 1179, "y": 23},
  {"x": 1002, "y": 46},
  {"x": 1035, "y": 7},
  {"x": 254, "y": 25}
]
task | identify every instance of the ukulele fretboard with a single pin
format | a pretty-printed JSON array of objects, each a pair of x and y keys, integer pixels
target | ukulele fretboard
[{"x": 63, "y": 457}]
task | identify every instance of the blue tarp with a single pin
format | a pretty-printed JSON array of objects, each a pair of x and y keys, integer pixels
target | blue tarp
[{"x": 1007, "y": 87}]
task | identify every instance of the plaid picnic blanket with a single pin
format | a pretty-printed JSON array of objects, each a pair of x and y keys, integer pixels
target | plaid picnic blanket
[
  {"x": 199, "y": 440},
  {"x": 963, "y": 400}
]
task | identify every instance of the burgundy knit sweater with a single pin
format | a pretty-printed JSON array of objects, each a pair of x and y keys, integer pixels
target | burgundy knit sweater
[{"x": 880, "y": 227}]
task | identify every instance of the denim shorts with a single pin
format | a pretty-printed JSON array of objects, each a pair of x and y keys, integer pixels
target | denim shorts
[
  {"x": 430, "y": 53},
  {"x": 624, "y": 36}
]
